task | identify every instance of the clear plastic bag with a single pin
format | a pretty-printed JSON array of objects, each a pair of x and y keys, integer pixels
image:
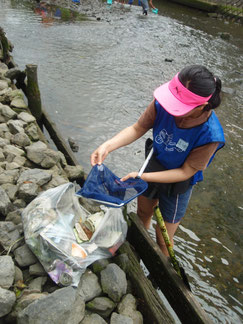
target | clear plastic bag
[{"x": 66, "y": 238}]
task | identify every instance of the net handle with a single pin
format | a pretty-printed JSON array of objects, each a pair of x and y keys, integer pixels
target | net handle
[{"x": 145, "y": 163}]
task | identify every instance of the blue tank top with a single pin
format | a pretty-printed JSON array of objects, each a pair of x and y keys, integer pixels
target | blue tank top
[{"x": 172, "y": 145}]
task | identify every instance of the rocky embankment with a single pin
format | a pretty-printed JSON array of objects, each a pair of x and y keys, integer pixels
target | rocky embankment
[{"x": 28, "y": 166}]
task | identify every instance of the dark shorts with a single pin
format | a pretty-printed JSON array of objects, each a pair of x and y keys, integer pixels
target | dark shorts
[{"x": 172, "y": 207}]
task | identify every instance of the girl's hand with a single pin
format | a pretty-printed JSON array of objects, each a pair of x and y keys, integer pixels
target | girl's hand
[
  {"x": 130, "y": 175},
  {"x": 99, "y": 155}
]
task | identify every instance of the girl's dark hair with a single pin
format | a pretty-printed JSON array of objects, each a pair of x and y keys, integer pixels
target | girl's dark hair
[{"x": 200, "y": 80}]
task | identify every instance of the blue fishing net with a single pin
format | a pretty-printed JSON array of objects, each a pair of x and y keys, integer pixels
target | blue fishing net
[{"x": 105, "y": 187}]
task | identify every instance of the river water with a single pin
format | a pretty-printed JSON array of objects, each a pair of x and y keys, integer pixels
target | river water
[{"x": 97, "y": 76}]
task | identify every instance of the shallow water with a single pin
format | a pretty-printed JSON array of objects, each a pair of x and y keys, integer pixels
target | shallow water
[{"x": 97, "y": 77}]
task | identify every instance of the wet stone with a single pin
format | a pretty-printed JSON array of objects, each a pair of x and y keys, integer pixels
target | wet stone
[
  {"x": 113, "y": 281},
  {"x": 7, "y": 300},
  {"x": 9, "y": 235},
  {"x": 89, "y": 286},
  {"x": 24, "y": 256},
  {"x": 5, "y": 203},
  {"x": 7, "y": 271}
]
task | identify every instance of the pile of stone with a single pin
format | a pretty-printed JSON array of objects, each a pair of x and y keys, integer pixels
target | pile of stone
[{"x": 28, "y": 166}]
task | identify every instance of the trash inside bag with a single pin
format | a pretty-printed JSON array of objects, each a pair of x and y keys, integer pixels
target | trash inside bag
[
  {"x": 106, "y": 188},
  {"x": 66, "y": 238}
]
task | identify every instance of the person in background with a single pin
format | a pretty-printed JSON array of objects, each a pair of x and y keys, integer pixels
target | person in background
[{"x": 186, "y": 136}]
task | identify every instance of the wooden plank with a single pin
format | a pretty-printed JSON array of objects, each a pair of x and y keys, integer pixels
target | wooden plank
[
  {"x": 180, "y": 298},
  {"x": 150, "y": 303}
]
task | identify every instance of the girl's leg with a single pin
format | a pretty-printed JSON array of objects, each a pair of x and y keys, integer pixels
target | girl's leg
[
  {"x": 171, "y": 229},
  {"x": 146, "y": 209}
]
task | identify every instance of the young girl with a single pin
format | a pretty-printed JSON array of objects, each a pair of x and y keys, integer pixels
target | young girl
[{"x": 186, "y": 136}]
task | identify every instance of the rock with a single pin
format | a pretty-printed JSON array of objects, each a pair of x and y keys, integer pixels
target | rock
[
  {"x": 37, "y": 284},
  {"x": 3, "y": 68},
  {"x": 16, "y": 126},
  {"x": 18, "y": 103},
  {"x": 37, "y": 176},
  {"x": 18, "y": 274},
  {"x": 28, "y": 191},
  {"x": 10, "y": 190},
  {"x": 9, "y": 235},
  {"x": 89, "y": 286},
  {"x": 55, "y": 182},
  {"x": 113, "y": 281},
  {"x": 19, "y": 203},
  {"x": 21, "y": 139},
  {"x": 41, "y": 155},
  {"x": 74, "y": 172},
  {"x": 99, "y": 265},
  {"x": 32, "y": 131},
  {"x": 6, "y": 113},
  {"x": 5, "y": 203},
  {"x": 128, "y": 307},
  {"x": 11, "y": 151},
  {"x": 26, "y": 117},
  {"x": 37, "y": 269},
  {"x": 15, "y": 216},
  {"x": 62, "y": 306},
  {"x": 9, "y": 176},
  {"x": 73, "y": 145},
  {"x": 7, "y": 300},
  {"x": 102, "y": 306},
  {"x": 7, "y": 271},
  {"x": 120, "y": 319},
  {"x": 12, "y": 73},
  {"x": 93, "y": 319},
  {"x": 3, "y": 84},
  {"x": 24, "y": 257}
]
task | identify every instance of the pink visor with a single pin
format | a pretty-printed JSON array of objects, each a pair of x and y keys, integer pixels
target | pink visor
[{"x": 177, "y": 99}]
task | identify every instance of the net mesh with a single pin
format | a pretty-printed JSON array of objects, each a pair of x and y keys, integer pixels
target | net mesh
[{"x": 104, "y": 186}]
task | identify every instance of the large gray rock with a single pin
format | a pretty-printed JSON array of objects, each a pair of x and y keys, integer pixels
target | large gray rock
[
  {"x": 38, "y": 176},
  {"x": 113, "y": 281},
  {"x": 62, "y": 306},
  {"x": 7, "y": 271},
  {"x": 24, "y": 256},
  {"x": 89, "y": 286},
  {"x": 7, "y": 300}
]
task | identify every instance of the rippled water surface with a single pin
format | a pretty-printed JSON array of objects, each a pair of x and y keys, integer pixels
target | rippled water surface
[{"x": 97, "y": 77}]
